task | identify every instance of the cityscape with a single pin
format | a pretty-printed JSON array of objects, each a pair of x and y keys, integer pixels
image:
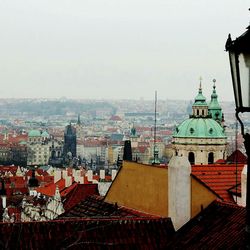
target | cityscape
[{"x": 110, "y": 139}]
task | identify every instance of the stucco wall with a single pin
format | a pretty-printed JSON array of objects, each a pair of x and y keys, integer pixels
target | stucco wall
[
  {"x": 141, "y": 187},
  {"x": 200, "y": 197},
  {"x": 145, "y": 188}
]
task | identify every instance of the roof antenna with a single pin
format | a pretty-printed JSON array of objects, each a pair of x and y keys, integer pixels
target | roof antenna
[{"x": 155, "y": 129}]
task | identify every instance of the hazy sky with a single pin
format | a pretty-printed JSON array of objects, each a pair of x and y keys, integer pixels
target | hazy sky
[{"x": 117, "y": 48}]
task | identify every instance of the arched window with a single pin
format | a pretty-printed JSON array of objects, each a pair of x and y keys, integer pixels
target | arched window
[
  {"x": 191, "y": 158},
  {"x": 210, "y": 158},
  {"x": 197, "y": 111}
]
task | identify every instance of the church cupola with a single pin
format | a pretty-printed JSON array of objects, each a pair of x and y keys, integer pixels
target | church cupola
[
  {"x": 200, "y": 107},
  {"x": 214, "y": 107}
]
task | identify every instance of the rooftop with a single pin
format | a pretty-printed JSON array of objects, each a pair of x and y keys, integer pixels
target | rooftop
[{"x": 219, "y": 178}]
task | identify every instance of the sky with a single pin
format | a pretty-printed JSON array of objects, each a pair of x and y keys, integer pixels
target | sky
[{"x": 117, "y": 49}]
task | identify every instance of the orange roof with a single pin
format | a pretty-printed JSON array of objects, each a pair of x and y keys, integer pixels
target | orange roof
[
  {"x": 67, "y": 190},
  {"x": 219, "y": 177},
  {"x": 51, "y": 188}
]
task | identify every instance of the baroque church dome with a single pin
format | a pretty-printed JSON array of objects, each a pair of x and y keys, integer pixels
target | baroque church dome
[
  {"x": 199, "y": 128},
  {"x": 201, "y": 137}
]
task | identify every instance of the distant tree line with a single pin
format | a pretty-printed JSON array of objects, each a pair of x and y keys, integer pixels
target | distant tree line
[{"x": 54, "y": 107}]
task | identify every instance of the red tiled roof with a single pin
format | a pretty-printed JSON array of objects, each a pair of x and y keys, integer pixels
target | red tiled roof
[
  {"x": 78, "y": 193},
  {"x": 220, "y": 161},
  {"x": 219, "y": 177},
  {"x": 219, "y": 226},
  {"x": 51, "y": 188},
  {"x": 237, "y": 156},
  {"x": 100, "y": 233},
  {"x": 94, "y": 206}
]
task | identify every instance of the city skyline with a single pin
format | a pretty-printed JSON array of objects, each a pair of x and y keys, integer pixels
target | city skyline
[{"x": 117, "y": 49}]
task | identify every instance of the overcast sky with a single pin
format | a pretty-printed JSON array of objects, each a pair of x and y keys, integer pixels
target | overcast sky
[{"x": 122, "y": 49}]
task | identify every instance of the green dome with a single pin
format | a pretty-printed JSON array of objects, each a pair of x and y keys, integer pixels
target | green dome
[
  {"x": 45, "y": 134},
  {"x": 199, "y": 128},
  {"x": 34, "y": 133}
]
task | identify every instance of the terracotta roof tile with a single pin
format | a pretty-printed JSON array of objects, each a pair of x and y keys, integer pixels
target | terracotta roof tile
[
  {"x": 219, "y": 226},
  {"x": 100, "y": 233},
  {"x": 78, "y": 193},
  {"x": 219, "y": 177}
]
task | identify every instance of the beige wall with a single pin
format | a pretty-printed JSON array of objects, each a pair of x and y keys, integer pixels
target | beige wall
[
  {"x": 140, "y": 187},
  {"x": 200, "y": 197},
  {"x": 145, "y": 188}
]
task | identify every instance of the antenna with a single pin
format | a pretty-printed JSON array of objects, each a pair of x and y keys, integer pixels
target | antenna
[
  {"x": 236, "y": 158},
  {"x": 155, "y": 128}
]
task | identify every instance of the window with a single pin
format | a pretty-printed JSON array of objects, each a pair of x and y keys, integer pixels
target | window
[
  {"x": 191, "y": 157},
  {"x": 210, "y": 158}
]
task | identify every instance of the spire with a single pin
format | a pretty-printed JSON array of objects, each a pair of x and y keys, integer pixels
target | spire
[
  {"x": 78, "y": 120},
  {"x": 214, "y": 107},
  {"x": 200, "y": 99},
  {"x": 214, "y": 94},
  {"x": 200, "y": 88},
  {"x": 199, "y": 107}
]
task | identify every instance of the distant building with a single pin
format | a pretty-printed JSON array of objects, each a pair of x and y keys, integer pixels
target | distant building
[
  {"x": 69, "y": 147},
  {"x": 202, "y": 138},
  {"x": 38, "y": 148}
]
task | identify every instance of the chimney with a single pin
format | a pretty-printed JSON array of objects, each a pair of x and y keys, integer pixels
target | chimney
[
  {"x": 3, "y": 201},
  {"x": 68, "y": 181},
  {"x": 102, "y": 174},
  {"x": 179, "y": 191},
  {"x": 113, "y": 174},
  {"x": 57, "y": 175},
  {"x": 64, "y": 174},
  {"x": 243, "y": 186},
  {"x": 90, "y": 175}
]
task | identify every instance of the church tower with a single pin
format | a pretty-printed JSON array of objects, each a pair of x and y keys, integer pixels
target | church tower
[
  {"x": 69, "y": 148},
  {"x": 214, "y": 107},
  {"x": 201, "y": 138}
]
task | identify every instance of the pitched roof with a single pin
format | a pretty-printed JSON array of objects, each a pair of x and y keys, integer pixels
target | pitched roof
[
  {"x": 219, "y": 226},
  {"x": 50, "y": 189},
  {"x": 78, "y": 193},
  {"x": 99, "y": 233},
  {"x": 219, "y": 177},
  {"x": 237, "y": 156},
  {"x": 94, "y": 206}
]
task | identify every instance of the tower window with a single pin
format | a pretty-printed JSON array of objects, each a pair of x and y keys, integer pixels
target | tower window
[
  {"x": 210, "y": 158},
  {"x": 191, "y": 157}
]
